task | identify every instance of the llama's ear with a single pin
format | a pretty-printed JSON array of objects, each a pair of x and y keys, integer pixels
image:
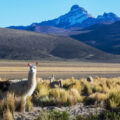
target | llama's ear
[
  {"x": 36, "y": 63},
  {"x": 28, "y": 65}
]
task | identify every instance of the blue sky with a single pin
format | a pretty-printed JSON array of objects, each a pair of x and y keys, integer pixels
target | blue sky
[{"x": 25, "y": 12}]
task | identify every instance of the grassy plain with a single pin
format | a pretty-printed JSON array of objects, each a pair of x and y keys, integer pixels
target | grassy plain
[{"x": 18, "y": 69}]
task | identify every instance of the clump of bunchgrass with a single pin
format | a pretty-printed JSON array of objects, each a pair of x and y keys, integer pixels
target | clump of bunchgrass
[
  {"x": 41, "y": 91},
  {"x": 7, "y": 103},
  {"x": 87, "y": 89},
  {"x": 58, "y": 96},
  {"x": 7, "y": 107},
  {"x": 63, "y": 96},
  {"x": 113, "y": 102},
  {"x": 7, "y": 115},
  {"x": 53, "y": 115},
  {"x": 72, "y": 83},
  {"x": 29, "y": 104},
  {"x": 96, "y": 98}
]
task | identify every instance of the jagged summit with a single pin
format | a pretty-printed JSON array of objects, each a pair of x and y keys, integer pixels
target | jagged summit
[
  {"x": 77, "y": 7},
  {"x": 107, "y": 18},
  {"x": 108, "y": 15},
  {"x": 79, "y": 10}
]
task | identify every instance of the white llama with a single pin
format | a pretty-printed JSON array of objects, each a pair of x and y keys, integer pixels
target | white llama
[
  {"x": 57, "y": 83},
  {"x": 89, "y": 79},
  {"x": 23, "y": 89},
  {"x": 52, "y": 78}
]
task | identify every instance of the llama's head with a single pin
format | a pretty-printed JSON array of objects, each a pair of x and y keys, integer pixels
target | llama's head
[
  {"x": 52, "y": 75},
  {"x": 32, "y": 67}
]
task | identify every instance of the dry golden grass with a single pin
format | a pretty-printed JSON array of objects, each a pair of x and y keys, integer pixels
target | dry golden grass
[
  {"x": 7, "y": 107},
  {"x": 7, "y": 115},
  {"x": 105, "y": 90},
  {"x": 29, "y": 104},
  {"x": 74, "y": 91}
]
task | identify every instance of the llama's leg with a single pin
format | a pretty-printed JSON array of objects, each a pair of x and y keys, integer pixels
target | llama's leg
[
  {"x": 22, "y": 104},
  {"x": 23, "y": 108}
]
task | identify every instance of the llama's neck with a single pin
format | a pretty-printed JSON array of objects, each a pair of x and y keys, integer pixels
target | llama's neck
[
  {"x": 31, "y": 82},
  {"x": 31, "y": 77},
  {"x": 51, "y": 80}
]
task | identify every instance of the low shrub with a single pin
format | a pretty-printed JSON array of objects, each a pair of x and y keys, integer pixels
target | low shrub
[
  {"x": 53, "y": 115},
  {"x": 108, "y": 115}
]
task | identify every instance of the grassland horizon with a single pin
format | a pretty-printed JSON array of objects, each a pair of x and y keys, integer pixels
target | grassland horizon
[{"x": 10, "y": 69}]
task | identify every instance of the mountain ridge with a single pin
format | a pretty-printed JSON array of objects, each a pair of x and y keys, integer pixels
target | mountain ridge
[
  {"x": 103, "y": 37},
  {"x": 76, "y": 17}
]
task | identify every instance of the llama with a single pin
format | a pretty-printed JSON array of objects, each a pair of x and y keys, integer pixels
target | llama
[
  {"x": 4, "y": 85},
  {"x": 23, "y": 89},
  {"x": 90, "y": 79},
  {"x": 17, "y": 80},
  {"x": 52, "y": 78},
  {"x": 54, "y": 84}
]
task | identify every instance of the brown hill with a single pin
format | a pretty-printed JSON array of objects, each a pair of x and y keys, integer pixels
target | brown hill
[{"x": 15, "y": 44}]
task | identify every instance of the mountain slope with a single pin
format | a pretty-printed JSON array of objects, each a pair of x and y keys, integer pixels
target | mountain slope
[
  {"x": 103, "y": 37},
  {"x": 16, "y": 44}
]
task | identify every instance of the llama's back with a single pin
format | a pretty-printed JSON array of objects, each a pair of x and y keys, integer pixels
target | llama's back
[{"x": 19, "y": 88}]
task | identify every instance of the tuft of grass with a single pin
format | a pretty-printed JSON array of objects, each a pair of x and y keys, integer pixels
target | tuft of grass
[
  {"x": 63, "y": 96},
  {"x": 53, "y": 115},
  {"x": 72, "y": 83},
  {"x": 7, "y": 107},
  {"x": 90, "y": 117},
  {"x": 29, "y": 104},
  {"x": 58, "y": 96},
  {"x": 40, "y": 92},
  {"x": 97, "y": 88},
  {"x": 55, "y": 93},
  {"x": 10, "y": 102},
  {"x": 87, "y": 89},
  {"x": 111, "y": 115},
  {"x": 7, "y": 103},
  {"x": 99, "y": 97},
  {"x": 113, "y": 101},
  {"x": 7, "y": 115},
  {"x": 108, "y": 115},
  {"x": 44, "y": 101}
]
